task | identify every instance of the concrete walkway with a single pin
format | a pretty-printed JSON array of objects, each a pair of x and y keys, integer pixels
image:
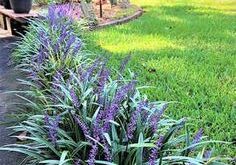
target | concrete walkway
[{"x": 8, "y": 82}]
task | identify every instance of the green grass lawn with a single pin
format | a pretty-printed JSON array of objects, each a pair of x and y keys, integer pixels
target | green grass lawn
[{"x": 186, "y": 49}]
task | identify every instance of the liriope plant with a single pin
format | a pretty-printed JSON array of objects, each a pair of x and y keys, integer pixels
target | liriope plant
[
  {"x": 83, "y": 115},
  {"x": 94, "y": 119},
  {"x": 52, "y": 45}
]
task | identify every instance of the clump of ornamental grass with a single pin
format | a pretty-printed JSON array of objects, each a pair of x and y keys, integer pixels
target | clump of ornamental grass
[
  {"x": 86, "y": 116},
  {"x": 52, "y": 32},
  {"x": 52, "y": 45},
  {"x": 94, "y": 119}
]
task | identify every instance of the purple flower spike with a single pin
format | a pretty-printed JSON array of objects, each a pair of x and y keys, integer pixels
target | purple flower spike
[
  {"x": 197, "y": 138},
  {"x": 155, "y": 118},
  {"x": 53, "y": 126},
  {"x": 107, "y": 151},
  {"x": 207, "y": 154},
  {"x": 124, "y": 63},
  {"x": 69, "y": 45},
  {"x": 78, "y": 162},
  {"x": 46, "y": 119},
  {"x": 91, "y": 69},
  {"x": 74, "y": 98},
  {"x": 103, "y": 77},
  {"x": 122, "y": 93},
  {"x": 154, "y": 152},
  {"x": 93, "y": 154},
  {"x": 56, "y": 79},
  {"x": 77, "y": 48},
  {"x": 133, "y": 121},
  {"x": 40, "y": 58},
  {"x": 51, "y": 15},
  {"x": 83, "y": 127},
  {"x": 113, "y": 109}
]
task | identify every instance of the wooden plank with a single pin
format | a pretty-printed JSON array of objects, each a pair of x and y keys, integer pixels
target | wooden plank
[
  {"x": 4, "y": 33},
  {"x": 18, "y": 17},
  {"x": 13, "y": 22},
  {"x": 9, "y": 27},
  {"x": 2, "y": 22}
]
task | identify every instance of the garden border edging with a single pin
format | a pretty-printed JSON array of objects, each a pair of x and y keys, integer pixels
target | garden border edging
[{"x": 122, "y": 20}]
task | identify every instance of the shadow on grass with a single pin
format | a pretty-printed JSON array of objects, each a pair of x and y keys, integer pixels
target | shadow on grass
[{"x": 205, "y": 24}]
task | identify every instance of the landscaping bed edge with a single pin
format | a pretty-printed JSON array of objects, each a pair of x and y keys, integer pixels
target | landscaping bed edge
[{"x": 122, "y": 20}]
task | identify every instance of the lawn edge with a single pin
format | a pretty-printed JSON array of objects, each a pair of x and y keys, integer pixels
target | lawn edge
[{"x": 134, "y": 16}]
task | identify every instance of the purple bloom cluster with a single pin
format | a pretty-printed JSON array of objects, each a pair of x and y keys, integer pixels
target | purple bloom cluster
[
  {"x": 56, "y": 79},
  {"x": 134, "y": 117},
  {"x": 86, "y": 74},
  {"x": 52, "y": 17},
  {"x": 111, "y": 111},
  {"x": 98, "y": 131},
  {"x": 197, "y": 138},
  {"x": 58, "y": 42},
  {"x": 123, "y": 92},
  {"x": 155, "y": 118},
  {"x": 103, "y": 78},
  {"x": 154, "y": 152},
  {"x": 107, "y": 151},
  {"x": 43, "y": 48},
  {"x": 40, "y": 57},
  {"x": 83, "y": 126},
  {"x": 33, "y": 74},
  {"x": 123, "y": 65},
  {"x": 98, "y": 135},
  {"x": 53, "y": 126},
  {"x": 69, "y": 10},
  {"x": 92, "y": 154},
  {"x": 77, "y": 162},
  {"x": 74, "y": 97},
  {"x": 207, "y": 154},
  {"x": 59, "y": 46}
]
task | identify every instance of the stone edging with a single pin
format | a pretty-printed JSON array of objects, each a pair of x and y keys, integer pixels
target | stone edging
[{"x": 122, "y": 20}]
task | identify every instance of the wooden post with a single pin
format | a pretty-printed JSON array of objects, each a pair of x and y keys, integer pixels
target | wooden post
[
  {"x": 100, "y": 3},
  {"x": 2, "y": 24},
  {"x": 9, "y": 27}
]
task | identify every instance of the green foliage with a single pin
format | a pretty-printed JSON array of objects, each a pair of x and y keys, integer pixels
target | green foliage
[
  {"x": 26, "y": 56},
  {"x": 48, "y": 2},
  {"x": 84, "y": 115},
  {"x": 42, "y": 2},
  {"x": 74, "y": 143}
]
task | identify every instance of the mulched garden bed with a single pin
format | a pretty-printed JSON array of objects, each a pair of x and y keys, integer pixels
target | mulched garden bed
[
  {"x": 110, "y": 14},
  {"x": 113, "y": 13}
]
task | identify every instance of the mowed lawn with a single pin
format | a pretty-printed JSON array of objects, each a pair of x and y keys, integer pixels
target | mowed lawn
[{"x": 185, "y": 50}]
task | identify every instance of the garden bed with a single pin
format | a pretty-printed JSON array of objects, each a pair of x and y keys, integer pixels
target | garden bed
[
  {"x": 111, "y": 15},
  {"x": 79, "y": 110}
]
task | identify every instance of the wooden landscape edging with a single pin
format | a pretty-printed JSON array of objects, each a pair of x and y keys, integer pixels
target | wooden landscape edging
[{"x": 122, "y": 20}]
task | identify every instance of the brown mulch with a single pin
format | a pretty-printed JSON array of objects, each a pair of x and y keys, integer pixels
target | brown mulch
[{"x": 111, "y": 13}]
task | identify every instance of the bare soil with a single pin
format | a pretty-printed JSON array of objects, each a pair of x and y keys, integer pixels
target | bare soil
[{"x": 111, "y": 13}]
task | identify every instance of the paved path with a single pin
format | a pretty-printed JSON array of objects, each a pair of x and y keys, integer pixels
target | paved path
[{"x": 7, "y": 82}]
